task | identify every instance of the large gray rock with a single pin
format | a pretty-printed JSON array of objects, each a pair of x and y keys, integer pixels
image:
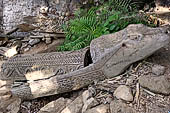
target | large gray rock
[
  {"x": 120, "y": 107},
  {"x": 158, "y": 70},
  {"x": 156, "y": 84},
  {"x": 99, "y": 109},
  {"x": 132, "y": 44},
  {"x": 88, "y": 101},
  {"x": 55, "y": 106},
  {"x": 75, "y": 106}
]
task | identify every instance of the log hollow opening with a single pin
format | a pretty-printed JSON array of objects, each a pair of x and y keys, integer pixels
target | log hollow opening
[{"x": 87, "y": 59}]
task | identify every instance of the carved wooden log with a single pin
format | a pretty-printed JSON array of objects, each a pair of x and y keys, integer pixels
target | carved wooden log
[
  {"x": 133, "y": 46},
  {"x": 130, "y": 49},
  {"x": 22, "y": 67}
]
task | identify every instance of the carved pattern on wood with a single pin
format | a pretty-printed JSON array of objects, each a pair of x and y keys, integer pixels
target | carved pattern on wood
[{"x": 59, "y": 62}]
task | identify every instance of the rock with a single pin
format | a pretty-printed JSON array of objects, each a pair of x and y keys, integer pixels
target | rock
[
  {"x": 5, "y": 91},
  {"x": 3, "y": 82},
  {"x": 158, "y": 70},
  {"x": 123, "y": 92},
  {"x": 10, "y": 52},
  {"x": 26, "y": 49},
  {"x": 44, "y": 10},
  {"x": 109, "y": 99},
  {"x": 99, "y": 109},
  {"x": 14, "y": 106},
  {"x": 75, "y": 106},
  {"x": 44, "y": 48},
  {"x": 27, "y": 104},
  {"x": 117, "y": 106},
  {"x": 48, "y": 40},
  {"x": 86, "y": 95},
  {"x": 129, "y": 45},
  {"x": 24, "y": 45},
  {"x": 156, "y": 84},
  {"x": 55, "y": 106},
  {"x": 34, "y": 41},
  {"x": 130, "y": 81},
  {"x": 11, "y": 105},
  {"x": 88, "y": 101},
  {"x": 1, "y": 43}
]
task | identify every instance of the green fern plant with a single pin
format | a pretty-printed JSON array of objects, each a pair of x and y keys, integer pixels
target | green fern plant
[{"x": 82, "y": 30}]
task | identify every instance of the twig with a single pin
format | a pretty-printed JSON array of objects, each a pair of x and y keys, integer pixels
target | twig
[
  {"x": 49, "y": 32},
  {"x": 137, "y": 93},
  {"x": 10, "y": 37},
  {"x": 36, "y": 37},
  {"x": 149, "y": 92}
]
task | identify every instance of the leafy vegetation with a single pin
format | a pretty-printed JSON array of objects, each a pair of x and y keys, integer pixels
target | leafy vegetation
[{"x": 110, "y": 17}]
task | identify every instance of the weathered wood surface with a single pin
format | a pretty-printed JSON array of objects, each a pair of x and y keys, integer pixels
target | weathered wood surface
[
  {"x": 22, "y": 67},
  {"x": 139, "y": 42},
  {"x": 136, "y": 43}
]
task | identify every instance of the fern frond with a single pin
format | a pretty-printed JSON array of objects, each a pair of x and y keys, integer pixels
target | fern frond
[{"x": 122, "y": 5}]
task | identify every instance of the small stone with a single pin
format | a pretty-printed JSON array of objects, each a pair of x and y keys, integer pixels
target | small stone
[
  {"x": 11, "y": 52},
  {"x": 27, "y": 104},
  {"x": 24, "y": 45},
  {"x": 75, "y": 106},
  {"x": 61, "y": 18},
  {"x": 158, "y": 70},
  {"x": 123, "y": 92},
  {"x": 4, "y": 90},
  {"x": 4, "y": 82},
  {"x": 26, "y": 49},
  {"x": 48, "y": 40},
  {"x": 1, "y": 43},
  {"x": 63, "y": 13},
  {"x": 11, "y": 105},
  {"x": 109, "y": 99},
  {"x": 129, "y": 81},
  {"x": 67, "y": 13},
  {"x": 118, "y": 106},
  {"x": 43, "y": 39},
  {"x": 14, "y": 106},
  {"x": 156, "y": 84},
  {"x": 59, "y": 13},
  {"x": 99, "y": 109},
  {"x": 34, "y": 41}
]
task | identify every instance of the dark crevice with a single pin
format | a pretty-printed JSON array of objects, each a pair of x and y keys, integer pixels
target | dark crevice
[{"x": 87, "y": 59}]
